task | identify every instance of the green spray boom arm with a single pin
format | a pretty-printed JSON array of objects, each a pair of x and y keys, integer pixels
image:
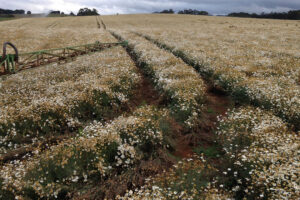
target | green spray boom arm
[{"x": 12, "y": 63}]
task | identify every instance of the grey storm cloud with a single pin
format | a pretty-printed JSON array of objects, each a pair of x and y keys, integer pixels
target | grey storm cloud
[{"x": 147, "y": 6}]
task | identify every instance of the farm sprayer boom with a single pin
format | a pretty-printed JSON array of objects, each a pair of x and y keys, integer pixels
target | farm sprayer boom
[{"x": 12, "y": 63}]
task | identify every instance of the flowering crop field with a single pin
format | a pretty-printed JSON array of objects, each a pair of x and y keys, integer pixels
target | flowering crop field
[
  {"x": 255, "y": 61},
  {"x": 190, "y": 107},
  {"x": 32, "y": 34}
]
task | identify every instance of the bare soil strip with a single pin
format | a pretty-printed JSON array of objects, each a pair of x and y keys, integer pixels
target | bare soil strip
[
  {"x": 103, "y": 24},
  {"x": 98, "y": 23}
]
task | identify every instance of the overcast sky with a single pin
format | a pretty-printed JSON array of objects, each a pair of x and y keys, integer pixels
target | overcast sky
[{"x": 147, "y": 6}]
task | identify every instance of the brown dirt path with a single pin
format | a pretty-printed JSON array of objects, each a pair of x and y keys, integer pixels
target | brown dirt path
[{"x": 217, "y": 104}]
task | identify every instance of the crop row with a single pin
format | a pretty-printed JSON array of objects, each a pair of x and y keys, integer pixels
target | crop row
[
  {"x": 260, "y": 161},
  {"x": 58, "y": 98},
  {"x": 279, "y": 94},
  {"x": 189, "y": 179},
  {"x": 264, "y": 154},
  {"x": 99, "y": 152},
  {"x": 172, "y": 77}
]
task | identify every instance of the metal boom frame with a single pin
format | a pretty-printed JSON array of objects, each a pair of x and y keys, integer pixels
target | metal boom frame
[{"x": 12, "y": 63}]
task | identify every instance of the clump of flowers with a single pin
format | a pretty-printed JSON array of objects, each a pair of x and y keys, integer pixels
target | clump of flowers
[
  {"x": 99, "y": 151},
  {"x": 264, "y": 154},
  {"x": 188, "y": 179}
]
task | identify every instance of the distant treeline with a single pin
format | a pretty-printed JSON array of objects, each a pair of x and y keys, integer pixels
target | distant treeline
[
  {"x": 81, "y": 12},
  {"x": 192, "y": 12},
  {"x": 170, "y": 11},
  {"x": 293, "y": 15},
  {"x": 186, "y": 12},
  {"x": 52, "y": 13},
  {"x": 10, "y": 13},
  {"x": 87, "y": 11}
]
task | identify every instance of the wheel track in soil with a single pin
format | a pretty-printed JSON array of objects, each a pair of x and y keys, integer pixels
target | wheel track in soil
[
  {"x": 53, "y": 24},
  {"x": 100, "y": 23}
]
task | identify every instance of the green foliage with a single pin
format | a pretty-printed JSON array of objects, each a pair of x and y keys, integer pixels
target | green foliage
[
  {"x": 166, "y": 127},
  {"x": 240, "y": 95},
  {"x": 58, "y": 168},
  {"x": 210, "y": 110},
  {"x": 237, "y": 177},
  {"x": 100, "y": 108},
  {"x": 191, "y": 178},
  {"x": 109, "y": 152},
  {"x": 29, "y": 193},
  {"x": 50, "y": 123},
  {"x": 209, "y": 152},
  {"x": 6, "y": 18},
  {"x": 188, "y": 180},
  {"x": 4, "y": 194},
  {"x": 181, "y": 115}
]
